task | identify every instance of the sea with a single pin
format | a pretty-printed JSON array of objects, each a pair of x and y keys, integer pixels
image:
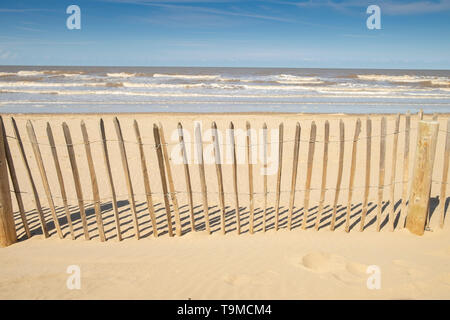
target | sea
[{"x": 27, "y": 89}]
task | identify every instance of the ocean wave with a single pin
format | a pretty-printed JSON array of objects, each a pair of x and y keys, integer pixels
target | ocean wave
[
  {"x": 14, "y": 84},
  {"x": 296, "y": 79},
  {"x": 319, "y": 93},
  {"x": 121, "y": 75},
  {"x": 425, "y": 81},
  {"x": 7, "y": 74},
  {"x": 217, "y": 86},
  {"x": 66, "y": 73},
  {"x": 24, "y": 73},
  {"x": 187, "y": 76},
  {"x": 27, "y": 73}
]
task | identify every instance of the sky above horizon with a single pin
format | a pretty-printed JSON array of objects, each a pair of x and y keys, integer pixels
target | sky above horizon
[{"x": 228, "y": 33}]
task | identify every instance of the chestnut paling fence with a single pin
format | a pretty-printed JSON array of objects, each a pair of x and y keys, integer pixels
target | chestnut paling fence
[{"x": 422, "y": 173}]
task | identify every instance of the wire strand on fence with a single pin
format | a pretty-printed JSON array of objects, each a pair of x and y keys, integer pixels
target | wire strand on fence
[
  {"x": 231, "y": 193},
  {"x": 152, "y": 145}
]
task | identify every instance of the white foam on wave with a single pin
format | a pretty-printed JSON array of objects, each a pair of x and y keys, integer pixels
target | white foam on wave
[
  {"x": 406, "y": 79},
  {"x": 29, "y": 73},
  {"x": 28, "y": 84},
  {"x": 7, "y": 74},
  {"x": 187, "y": 76},
  {"x": 291, "y": 79},
  {"x": 121, "y": 75},
  {"x": 319, "y": 93}
]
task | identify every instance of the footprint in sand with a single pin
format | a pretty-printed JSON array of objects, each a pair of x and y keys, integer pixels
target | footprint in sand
[
  {"x": 339, "y": 267},
  {"x": 322, "y": 262}
]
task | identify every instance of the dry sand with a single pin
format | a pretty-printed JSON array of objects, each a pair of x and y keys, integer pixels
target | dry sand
[{"x": 280, "y": 264}]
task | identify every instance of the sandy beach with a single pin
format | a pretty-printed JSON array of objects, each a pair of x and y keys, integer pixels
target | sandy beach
[{"x": 283, "y": 264}]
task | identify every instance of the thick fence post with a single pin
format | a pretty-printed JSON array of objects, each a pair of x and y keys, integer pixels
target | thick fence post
[
  {"x": 8, "y": 234},
  {"x": 422, "y": 174}
]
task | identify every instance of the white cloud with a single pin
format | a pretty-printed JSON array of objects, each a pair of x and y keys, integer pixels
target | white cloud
[
  {"x": 388, "y": 7},
  {"x": 419, "y": 7}
]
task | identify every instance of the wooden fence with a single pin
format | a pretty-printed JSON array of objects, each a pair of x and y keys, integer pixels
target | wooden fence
[{"x": 63, "y": 218}]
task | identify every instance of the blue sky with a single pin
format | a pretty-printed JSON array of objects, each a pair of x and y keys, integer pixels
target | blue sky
[{"x": 285, "y": 33}]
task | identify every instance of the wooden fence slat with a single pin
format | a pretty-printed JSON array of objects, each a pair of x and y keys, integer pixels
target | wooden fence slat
[
  {"x": 201, "y": 168},
  {"x": 393, "y": 170},
  {"x": 381, "y": 171},
  {"x": 219, "y": 174},
  {"x": 110, "y": 179},
  {"x": 265, "y": 174},
  {"x": 162, "y": 173},
  {"x": 294, "y": 173},
  {"x": 235, "y": 181},
  {"x": 339, "y": 176},
  {"x": 148, "y": 190},
  {"x": 422, "y": 176},
  {"x": 94, "y": 183},
  {"x": 250, "y": 178},
  {"x": 8, "y": 234},
  {"x": 367, "y": 177},
  {"x": 442, "y": 197},
  {"x": 76, "y": 178},
  {"x": 311, "y": 148},
  {"x": 126, "y": 170},
  {"x": 187, "y": 175},
  {"x": 40, "y": 164},
  {"x": 280, "y": 166},
  {"x": 352, "y": 174},
  {"x": 323, "y": 187},
  {"x": 401, "y": 221},
  {"x": 168, "y": 169},
  {"x": 62, "y": 188},
  {"x": 15, "y": 182},
  {"x": 30, "y": 178}
]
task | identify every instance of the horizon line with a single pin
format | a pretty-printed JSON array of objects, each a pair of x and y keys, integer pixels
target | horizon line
[{"x": 216, "y": 67}]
